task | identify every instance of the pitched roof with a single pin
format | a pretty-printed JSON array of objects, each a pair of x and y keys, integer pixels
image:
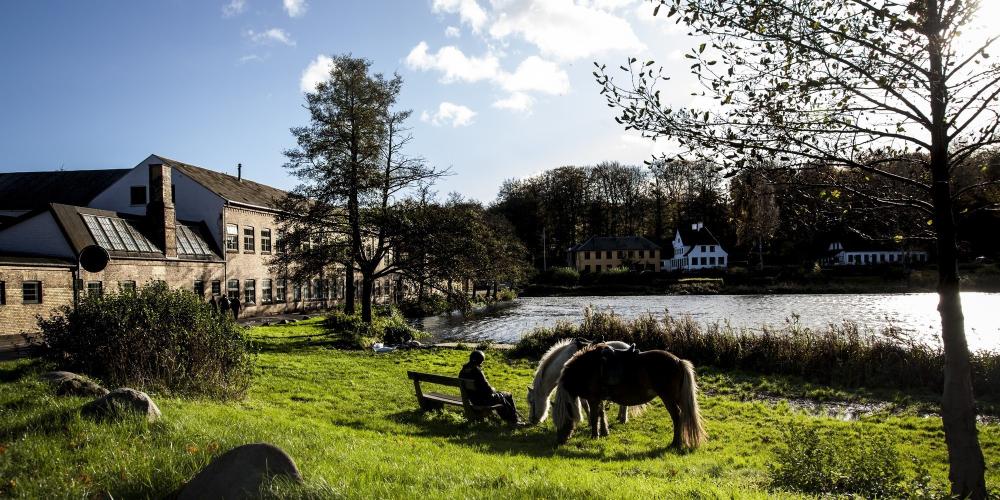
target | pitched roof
[
  {"x": 700, "y": 237},
  {"x": 124, "y": 235},
  {"x": 33, "y": 190},
  {"x": 600, "y": 243},
  {"x": 230, "y": 188}
]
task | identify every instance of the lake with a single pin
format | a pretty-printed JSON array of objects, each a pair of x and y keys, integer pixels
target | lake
[{"x": 915, "y": 313}]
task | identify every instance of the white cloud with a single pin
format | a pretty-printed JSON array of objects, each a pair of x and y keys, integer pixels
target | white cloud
[
  {"x": 295, "y": 8},
  {"x": 273, "y": 35},
  {"x": 453, "y": 64},
  {"x": 317, "y": 71},
  {"x": 535, "y": 74},
  {"x": 234, "y": 8},
  {"x": 449, "y": 113},
  {"x": 250, "y": 58},
  {"x": 518, "y": 101},
  {"x": 564, "y": 29},
  {"x": 468, "y": 11},
  {"x": 452, "y": 32}
]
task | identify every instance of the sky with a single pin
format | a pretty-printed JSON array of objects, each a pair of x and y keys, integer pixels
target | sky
[{"x": 499, "y": 88}]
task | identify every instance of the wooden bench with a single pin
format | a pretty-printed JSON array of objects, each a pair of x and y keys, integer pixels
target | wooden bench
[{"x": 436, "y": 401}]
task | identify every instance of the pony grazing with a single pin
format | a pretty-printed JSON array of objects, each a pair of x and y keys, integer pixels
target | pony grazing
[
  {"x": 547, "y": 376},
  {"x": 599, "y": 372}
]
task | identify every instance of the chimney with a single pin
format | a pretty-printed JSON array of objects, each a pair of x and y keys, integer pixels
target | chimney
[
  {"x": 239, "y": 172},
  {"x": 160, "y": 210}
]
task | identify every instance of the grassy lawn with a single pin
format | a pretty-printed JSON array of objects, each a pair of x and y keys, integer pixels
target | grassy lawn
[{"x": 349, "y": 420}]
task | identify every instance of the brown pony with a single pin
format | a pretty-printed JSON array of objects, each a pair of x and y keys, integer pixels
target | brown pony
[{"x": 598, "y": 373}]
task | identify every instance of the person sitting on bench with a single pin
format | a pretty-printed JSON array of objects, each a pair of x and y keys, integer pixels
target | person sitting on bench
[{"x": 484, "y": 394}]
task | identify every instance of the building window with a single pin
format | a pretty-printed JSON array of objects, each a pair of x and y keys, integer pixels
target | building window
[
  {"x": 280, "y": 290},
  {"x": 642, "y": 254},
  {"x": 265, "y": 292},
  {"x": 127, "y": 286},
  {"x": 31, "y": 292},
  {"x": 607, "y": 254},
  {"x": 586, "y": 255},
  {"x": 249, "y": 245},
  {"x": 3, "y": 293},
  {"x": 279, "y": 243},
  {"x": 216, "y": 287},
  {"x": 722, "y": 261},
  {"x": 711, "y": 260},
  {"x": 711, "y": 248},
  {"x": 597, "y": 268},
  {"x": 265, "y": 241},
  {"x": 703, "y": 249},
  {"x": 137, "y": 195},
  {"x": 95, "y": 288},
  {"x": 232, "y": 238},
  {"x": 586, "y": 268},
  {"x": 249, "y": 292},
  {"x": 621, "y": 254},
  {"x": 297, "y": 292},
  {"x": 233, "y": 289},
  {"x": 199, "y": 288}
]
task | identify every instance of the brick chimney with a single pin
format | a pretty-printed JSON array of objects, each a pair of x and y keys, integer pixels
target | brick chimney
[{"x": 160, "y": 210}]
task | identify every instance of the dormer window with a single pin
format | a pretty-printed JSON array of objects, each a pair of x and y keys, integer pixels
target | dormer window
[{"x": 137, "y": 195}]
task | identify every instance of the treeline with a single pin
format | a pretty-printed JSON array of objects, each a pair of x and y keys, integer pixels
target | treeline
[{"x": 765, "y": 215}]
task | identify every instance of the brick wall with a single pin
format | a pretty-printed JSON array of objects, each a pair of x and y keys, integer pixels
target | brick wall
[
  {"x": 57, "y": 291},
  {"x": 176, "y": 273}
]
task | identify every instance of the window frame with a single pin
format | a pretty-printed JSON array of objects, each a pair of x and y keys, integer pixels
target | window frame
[
  {"x": 3, "y": 293},
  {"x": 199, "y": 288},
  {"x": 267, "y": 291},
  {"x": 127, "y": 285},
  {"x": 216, "y": 288},
  {"x": 249, "y": 240},
  {"x": 249, "y": 292},
  {"x": 37, "y": 292},
  {"x": 281, "y": 291},
  {"x": 265, "y": 243},
  {"x": 91, "y": 286},
  {"x": 230, "y": 290},
  {"x": 232, "y": 239}
]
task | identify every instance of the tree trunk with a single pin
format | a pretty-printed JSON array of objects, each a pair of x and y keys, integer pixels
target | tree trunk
[
  {"x": 367, "y": 287},
  {"x": 958, "y": 407},
  {"x": 349, "y": 289}
]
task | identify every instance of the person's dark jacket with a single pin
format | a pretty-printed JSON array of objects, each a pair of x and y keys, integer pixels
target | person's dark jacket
[{"x": 483, "y": 393}]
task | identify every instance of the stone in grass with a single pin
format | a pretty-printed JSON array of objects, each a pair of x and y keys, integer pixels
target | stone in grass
[
  {"x": 80, "y": 387},
  {"x": 240, "y": 473},
  {"x": 59, "y": 377},
  {"x": 120, "y": 401},
  {"x": 306, "y": 317}
]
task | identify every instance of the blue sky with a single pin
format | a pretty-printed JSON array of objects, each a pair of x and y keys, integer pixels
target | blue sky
[{"x": 499, "y": 88}]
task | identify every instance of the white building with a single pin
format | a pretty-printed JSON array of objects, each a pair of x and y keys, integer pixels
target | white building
[
  {"x": 838, "y": 255},
  {"x": 696, "y": 249}
]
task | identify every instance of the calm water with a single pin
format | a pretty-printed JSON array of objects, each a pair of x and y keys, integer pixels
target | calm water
[{"x": 915, "y": 313}]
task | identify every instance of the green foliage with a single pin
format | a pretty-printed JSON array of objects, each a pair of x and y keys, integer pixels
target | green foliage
[
  {"x": 153, "y": 338},
  {"x": 388, "y": 325},
  {"x": 506, "y": 295},
  {"x": 812, "y": 459},
  {"x": 842, "y": 354},
  {"x": 563, "y": 276},
  {"x": 420, "y": 307}
]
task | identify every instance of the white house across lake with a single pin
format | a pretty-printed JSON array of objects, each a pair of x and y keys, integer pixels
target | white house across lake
[
  {"x": 838, "y": 255},
  {"x": 696, "y": 249}
]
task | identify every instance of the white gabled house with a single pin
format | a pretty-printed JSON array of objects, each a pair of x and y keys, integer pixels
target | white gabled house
[
  {"x": 870, "y": 255},
  {"x": 696, "y": 249}
]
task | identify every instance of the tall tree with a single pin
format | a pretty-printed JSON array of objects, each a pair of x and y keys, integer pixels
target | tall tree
[
  {"x": 754, "y": 211},
  {"x": 806, "y": 82}
]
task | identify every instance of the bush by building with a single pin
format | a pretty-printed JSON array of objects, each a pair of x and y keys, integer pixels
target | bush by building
[{"x": 152, "y": 338}]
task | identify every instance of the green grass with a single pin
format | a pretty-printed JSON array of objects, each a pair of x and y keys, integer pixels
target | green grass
[{"x": 349, "y": 420}]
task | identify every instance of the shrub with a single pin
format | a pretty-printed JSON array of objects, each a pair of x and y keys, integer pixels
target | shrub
[
  {"x": 838, "y": 354},
  {"x": 562, "y": 276},
  {"x": 387, "y": 326},
  {"x": 818, "y": 461},
  {"x": 506, "y": 295},
  {"x": 429, "y": 305},
  {"x": 152, "y": 338}
]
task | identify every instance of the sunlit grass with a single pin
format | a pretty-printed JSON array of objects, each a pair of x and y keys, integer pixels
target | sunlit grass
[{"x": 349, "y": 420}]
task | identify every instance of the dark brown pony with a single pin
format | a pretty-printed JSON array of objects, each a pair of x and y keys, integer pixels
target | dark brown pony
[{"x": 598, "y": 373}]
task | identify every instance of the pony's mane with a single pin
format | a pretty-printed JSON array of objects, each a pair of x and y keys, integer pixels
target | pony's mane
[{"x": 543, "y": 364}]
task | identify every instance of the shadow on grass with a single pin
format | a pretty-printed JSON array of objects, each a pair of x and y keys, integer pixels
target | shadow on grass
[
  {"x": 297, "y": 343},
  {"x": 18, "y": 372},
  {"x": 497, "y": 437},
  {"x": 50, "y": 422}
]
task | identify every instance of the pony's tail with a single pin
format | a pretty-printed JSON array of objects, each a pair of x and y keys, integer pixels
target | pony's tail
[
  {"x": 565, "y": 414},
  {"x": 692, "y": 429}
]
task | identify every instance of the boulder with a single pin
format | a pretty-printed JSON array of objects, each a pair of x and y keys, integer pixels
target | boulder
[
  {"x": 120, "y": 401},
  {"x": 80, "y": 387},
  {"x": 240, "y": 473},
  {"x": 59, "y": 377}
]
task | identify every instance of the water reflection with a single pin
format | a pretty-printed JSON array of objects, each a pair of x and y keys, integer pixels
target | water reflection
[{"x": 914, "y": 313}]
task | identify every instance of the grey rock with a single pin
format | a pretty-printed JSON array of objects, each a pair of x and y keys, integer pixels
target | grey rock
[
  {"x": 306, "y": 317},
  {"x": 59, "y": 377},
  {"x": 240, "y": 473},
  {"x": 120, "y": 401},
  {"x": 80, "y": 387}
]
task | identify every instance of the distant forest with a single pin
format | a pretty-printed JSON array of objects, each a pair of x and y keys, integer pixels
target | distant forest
[{"x": 772, "y": 215}]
